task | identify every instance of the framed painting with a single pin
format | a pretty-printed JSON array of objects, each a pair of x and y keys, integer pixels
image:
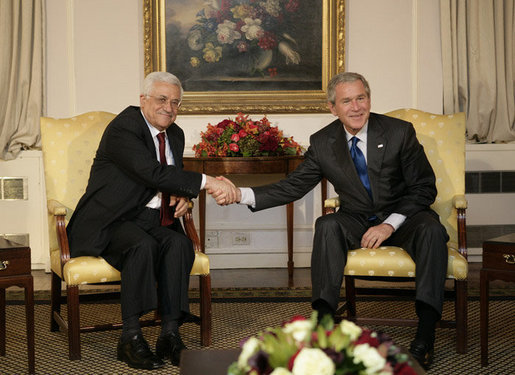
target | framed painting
[{"x": 252, "y": 56}]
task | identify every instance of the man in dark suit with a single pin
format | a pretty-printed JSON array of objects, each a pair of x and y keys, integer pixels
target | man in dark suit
[
  {"x": 385, "y": 197},
  {"x": 137, "y": 187}
]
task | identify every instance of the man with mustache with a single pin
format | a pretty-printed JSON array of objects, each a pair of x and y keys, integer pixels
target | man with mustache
[{"x": 136, "y": 192}]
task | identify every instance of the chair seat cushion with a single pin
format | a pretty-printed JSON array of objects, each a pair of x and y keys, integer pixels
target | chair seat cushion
[
  {"x": 392, "y": 261},
  {"x": 91, "y": 270}
]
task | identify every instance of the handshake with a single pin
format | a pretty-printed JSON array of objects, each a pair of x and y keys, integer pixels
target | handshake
[{"x": 222, "y": 190}]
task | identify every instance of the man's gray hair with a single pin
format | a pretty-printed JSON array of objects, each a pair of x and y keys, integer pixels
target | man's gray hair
[
  {"x": 344, "y": 77},
  {"x": 155, "y": 77}
]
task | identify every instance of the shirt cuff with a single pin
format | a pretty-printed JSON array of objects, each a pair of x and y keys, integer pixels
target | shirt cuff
[
  {"x": 395, "y": 220},
  {"x": 203, "y": 183},
  {"x": 247, "y": 197}
]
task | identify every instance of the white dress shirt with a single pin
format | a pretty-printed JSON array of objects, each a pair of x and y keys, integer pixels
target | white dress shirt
[{"x": 155, "y": 202}]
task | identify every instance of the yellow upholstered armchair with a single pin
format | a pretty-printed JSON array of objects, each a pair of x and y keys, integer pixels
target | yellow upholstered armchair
[
  {"x": 69, "y": 146},
  {"x": 443, "y": 138}
]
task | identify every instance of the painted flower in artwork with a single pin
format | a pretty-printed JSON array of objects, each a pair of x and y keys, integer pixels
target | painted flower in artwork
[{"x": 242, "y": 30}]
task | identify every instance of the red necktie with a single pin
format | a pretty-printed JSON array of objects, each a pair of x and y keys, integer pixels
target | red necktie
[{"x": 166, "y": 213}]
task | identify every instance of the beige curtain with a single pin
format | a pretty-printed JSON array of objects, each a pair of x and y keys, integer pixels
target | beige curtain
[
  {"x": 479, "y": 66},
  {"x": 21, "y": 75}
]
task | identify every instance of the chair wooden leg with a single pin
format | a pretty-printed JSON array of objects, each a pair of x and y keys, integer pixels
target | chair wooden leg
[
  {"x": 55, "y": 301},
  {"x": 461, "y": 315},
  {"x": 350, "y": 297},
  {"x": 205, "y": 310},
  {"x": 73, "y": 322}
]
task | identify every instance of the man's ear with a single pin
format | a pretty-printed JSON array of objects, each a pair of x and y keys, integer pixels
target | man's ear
[{"x": 331, "y": 108}]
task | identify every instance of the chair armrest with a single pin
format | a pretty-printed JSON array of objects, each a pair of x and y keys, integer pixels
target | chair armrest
[
  {"x": 189, "y": 227},
  {"x": 330, "y": 205},
  {"x": 459, "y": 201},
  {"x": 58, "y": 210},
  {"x": 332, "y": 202}
]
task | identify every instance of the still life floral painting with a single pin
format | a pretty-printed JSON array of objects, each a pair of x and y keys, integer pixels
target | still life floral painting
[{"x": 241, "y": 45}]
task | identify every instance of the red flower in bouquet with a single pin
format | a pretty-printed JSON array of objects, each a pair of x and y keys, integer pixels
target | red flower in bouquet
[{"x": 245, "y": 137}]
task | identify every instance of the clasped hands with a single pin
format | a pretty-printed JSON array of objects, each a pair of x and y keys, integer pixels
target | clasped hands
[{"x": 222, "y": 190}]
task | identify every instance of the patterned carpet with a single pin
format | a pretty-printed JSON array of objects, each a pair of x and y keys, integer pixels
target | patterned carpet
[{"x": 233, "y": 321}]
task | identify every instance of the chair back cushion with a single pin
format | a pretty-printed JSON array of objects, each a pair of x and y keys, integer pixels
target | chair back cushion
[
  {"x": 69, "y": 146},
  {"x": 443, "y": 138}
]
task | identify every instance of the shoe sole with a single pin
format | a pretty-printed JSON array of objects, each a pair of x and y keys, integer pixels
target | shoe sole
[{"x": 124, "y": 359}]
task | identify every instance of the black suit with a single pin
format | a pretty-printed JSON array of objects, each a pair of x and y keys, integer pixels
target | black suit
[
  {"x": 111, "y": 219},
  {"x": 402, "y": 181}
]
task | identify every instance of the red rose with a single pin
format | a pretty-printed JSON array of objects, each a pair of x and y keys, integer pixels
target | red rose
[
  {"x": 366, "y": 338},
  {"x": 235, "y": 137},
  {"x": 292, "y": 359},
  {"x": 404, "y": 369},
  {"x": 234, "y": 147},
  {"x": 296, "y": 317}
]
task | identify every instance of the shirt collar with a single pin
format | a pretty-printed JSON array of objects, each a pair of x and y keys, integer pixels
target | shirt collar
[
  {"x": 153, "y": 131},
  {"x": 362, "y": 134}
]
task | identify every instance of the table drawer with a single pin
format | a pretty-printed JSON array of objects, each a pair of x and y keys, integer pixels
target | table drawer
[
  {"x": 502, "y": 258},
  {"x": 14, "y": 262}
]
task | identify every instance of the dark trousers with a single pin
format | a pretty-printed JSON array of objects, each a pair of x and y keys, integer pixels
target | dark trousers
[
  {"x": 422, "y": 236},
  {"x": 155, "y": 264}
]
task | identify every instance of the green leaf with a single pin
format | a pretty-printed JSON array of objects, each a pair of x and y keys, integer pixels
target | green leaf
[{"x": 235, "y": 370}]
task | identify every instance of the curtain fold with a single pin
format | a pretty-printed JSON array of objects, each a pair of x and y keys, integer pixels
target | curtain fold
[
  {"x": 21, "y": 75},
  {"x": 479, "y": 66}
]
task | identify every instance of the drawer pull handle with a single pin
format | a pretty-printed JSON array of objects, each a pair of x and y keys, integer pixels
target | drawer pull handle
[
  {"x": 509, "y": 258},
  {"x": 3, "y": 265}
]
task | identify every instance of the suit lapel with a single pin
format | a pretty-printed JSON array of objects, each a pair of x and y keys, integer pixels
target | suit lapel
[
  {"x": 376, "y": 146},
  {"x": 149, "y": 142},
  {"x": 175, "y": 146}
]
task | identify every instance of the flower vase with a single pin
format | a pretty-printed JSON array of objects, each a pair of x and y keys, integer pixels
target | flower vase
[{"x": 263, "y": 59}]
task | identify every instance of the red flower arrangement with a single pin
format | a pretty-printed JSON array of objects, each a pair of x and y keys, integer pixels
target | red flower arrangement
[{"x": 245, "y": 137}]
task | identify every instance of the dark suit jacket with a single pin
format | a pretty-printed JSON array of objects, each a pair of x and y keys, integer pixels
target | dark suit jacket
[
  {"x": 124, "y": 176},
  {"x": 401, "y": 177}
]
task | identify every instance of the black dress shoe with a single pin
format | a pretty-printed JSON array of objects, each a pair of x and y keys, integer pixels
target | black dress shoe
[
  {"x": 137, "y": 354},
  {"x": 423, "y": 352},
  {"x": 170, "y": 346}
]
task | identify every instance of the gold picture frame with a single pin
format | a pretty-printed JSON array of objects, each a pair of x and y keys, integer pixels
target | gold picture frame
[{"x": 279, "y": 98}]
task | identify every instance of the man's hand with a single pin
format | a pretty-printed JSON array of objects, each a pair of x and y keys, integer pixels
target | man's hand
[
  {"x": 222, "y": 190},
  {"x": 374, "y": 236},
  {"x": 181, "y": 205}
]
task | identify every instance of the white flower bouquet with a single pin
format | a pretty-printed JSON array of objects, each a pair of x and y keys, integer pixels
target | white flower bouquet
[{"x": 303, "y": 347}]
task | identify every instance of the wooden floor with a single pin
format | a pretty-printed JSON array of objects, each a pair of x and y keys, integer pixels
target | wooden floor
[{"x": 268, "y": 277}]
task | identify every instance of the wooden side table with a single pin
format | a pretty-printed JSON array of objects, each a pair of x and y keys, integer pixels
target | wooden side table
[
  {"x": 217, "y": 166},
  {"x": 15, "y": 271},
  {"x": 498, "y": 264}
]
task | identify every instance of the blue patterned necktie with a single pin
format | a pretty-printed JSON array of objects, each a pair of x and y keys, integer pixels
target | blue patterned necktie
[{"x": 360, "y": 164}]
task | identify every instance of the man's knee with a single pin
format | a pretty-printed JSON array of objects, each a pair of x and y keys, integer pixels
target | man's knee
[
  {"x": 179, "y": 245},
  {"x": 433, "y": 230},
  {"x": 327, "y": 223}
]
